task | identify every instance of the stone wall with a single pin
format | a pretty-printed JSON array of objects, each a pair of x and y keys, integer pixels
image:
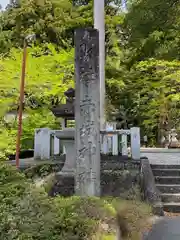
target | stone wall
[{"x": 119, "y": 178}]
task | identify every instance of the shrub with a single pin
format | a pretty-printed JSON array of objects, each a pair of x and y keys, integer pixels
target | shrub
[
  {"x": 12, "y": 183},
  {"x": 43, "y": 170},
  {"x": 27, "y": 213}
]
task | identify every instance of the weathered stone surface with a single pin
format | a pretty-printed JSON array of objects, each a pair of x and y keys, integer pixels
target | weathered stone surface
[
  {"x": 64, "y": 185},
  {"x": 135, "y": 143},
  {"x": 87, "y": 112},
  {"x": 122, "y": 182},
  {"x": 118, "y": 163},
  {"x": 149, "y": 189}
]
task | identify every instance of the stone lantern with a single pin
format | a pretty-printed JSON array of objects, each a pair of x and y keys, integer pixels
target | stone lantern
[
  {"x": 66, "y": 136},
  {"x": 173, "y": 141},
  {"x": 66, "y": 111}
]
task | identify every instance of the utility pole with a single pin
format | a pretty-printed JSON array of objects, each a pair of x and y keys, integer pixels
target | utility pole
[
  {"x": 28, "y": 39},
  {"x": 99, "y": 24}
]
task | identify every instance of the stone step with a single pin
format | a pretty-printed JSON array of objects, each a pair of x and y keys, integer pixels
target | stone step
[
  {"x": 168, "y": 188},
  {"x": 167, "y": 179},
  {"x": 166, "y": 172},
  {"x": 173, "y": 207},
  {"x": 170, "y": 197},
  {"x": 161, "y": 166}
]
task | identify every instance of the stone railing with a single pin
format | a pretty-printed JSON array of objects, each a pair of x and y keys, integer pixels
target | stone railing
[
  {"x": 45, "y": 144},
  {"x": 134, "y": 134},
  {"x": 49, "y": 143}
]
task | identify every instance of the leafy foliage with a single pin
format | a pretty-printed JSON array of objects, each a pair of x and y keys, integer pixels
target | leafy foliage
[
  {"x": 28, "y": 213},
  {"x": 48, "y": 76},
  {"x": 142, "y": 57},
  {"x": 143, "y": 89}
]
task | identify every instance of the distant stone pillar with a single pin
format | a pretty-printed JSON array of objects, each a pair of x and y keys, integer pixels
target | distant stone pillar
[
  {"x": 135, "y": 143},
  {"x": 104, "y": 144},
  {"x": 114, "y": 141},
  {"x": 37, "y": 144},
  {"x": 63, "y": 125},
  {"x": 42, "y": 143},
  {"x": 56, "y": 146},
  {"x": 124, "y": 145},
  {"x": 107, "y": 141},
  {"x": 87, "y": 112}
]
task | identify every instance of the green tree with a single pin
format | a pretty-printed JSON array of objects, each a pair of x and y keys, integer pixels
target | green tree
[
  {"x": 150, "y": 96},
  {"x": 47, "y": 77},
  {"x": 151, "y": 30}
]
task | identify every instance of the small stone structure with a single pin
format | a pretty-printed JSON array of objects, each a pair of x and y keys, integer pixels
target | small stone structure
[
  {"x": 66, "y": 136},
  {"x": 173, "y": 141},
  {"x": 65, "y": 111}
]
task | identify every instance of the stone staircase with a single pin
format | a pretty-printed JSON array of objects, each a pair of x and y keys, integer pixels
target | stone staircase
[{"x": 167, "y": 179}]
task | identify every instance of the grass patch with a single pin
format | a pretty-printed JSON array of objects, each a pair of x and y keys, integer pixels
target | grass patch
[{"x": 135, "y": 214}]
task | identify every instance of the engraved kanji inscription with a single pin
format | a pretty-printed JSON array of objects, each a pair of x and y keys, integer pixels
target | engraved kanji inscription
[{"x": 87, "y": 112}]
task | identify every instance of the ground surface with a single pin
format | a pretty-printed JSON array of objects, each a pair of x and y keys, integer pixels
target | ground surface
[{"x": 163, "y": 158}]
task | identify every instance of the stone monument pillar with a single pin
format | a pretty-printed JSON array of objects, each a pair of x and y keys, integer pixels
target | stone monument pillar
[{"x": 87, "y": 112}]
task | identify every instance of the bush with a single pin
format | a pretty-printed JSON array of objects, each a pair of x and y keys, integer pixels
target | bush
[
  {"x": 27, "y": 213},
  {"x": 12, "y": 183},
  {"x": 43, "y": 170},
  {"x": 38, "y": 217}
]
